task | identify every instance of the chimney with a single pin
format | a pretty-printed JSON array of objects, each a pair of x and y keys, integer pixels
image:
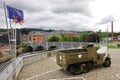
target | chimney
[{"x": 112, "y": 29}]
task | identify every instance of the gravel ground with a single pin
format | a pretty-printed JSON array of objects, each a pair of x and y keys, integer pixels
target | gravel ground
[{"x": 47, "y": 69}]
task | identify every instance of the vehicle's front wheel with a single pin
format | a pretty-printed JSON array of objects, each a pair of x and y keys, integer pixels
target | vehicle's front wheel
[{"x": 107, "y": 63}]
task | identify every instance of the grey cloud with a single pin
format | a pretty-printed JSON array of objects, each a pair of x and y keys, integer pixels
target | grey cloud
[
  {"x": 58, "y": 21},
  {"x": 28, "y": 5},
  {"x": 73, "y": 6},
  {"x": 106, "y": 20},
  {"x": 74, "y": 14}
]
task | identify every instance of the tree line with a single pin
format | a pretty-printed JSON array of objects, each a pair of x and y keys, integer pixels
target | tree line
[{"x": 83, "y": 37}]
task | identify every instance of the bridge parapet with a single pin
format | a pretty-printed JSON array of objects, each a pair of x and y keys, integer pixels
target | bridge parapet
[{"x": 59, "y": 45}]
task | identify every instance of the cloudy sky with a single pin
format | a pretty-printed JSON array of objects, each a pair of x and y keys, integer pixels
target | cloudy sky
[{"x": 79, "y": 15}]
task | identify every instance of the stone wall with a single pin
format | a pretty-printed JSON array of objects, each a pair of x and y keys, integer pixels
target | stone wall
[
  {"x": 7, "y": 74},
  {"x": 33, "y": 58}
]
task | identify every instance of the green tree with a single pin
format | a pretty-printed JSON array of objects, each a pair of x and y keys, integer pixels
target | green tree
[
  {"x": 21, "y": 45},
  {"x": 63, "y": 37},
  {"x": 75, "y": 39},
  {"x": 54, "y": 39},
  {"x": 3, "y": 30},
  {"x": 83, "y": 37},
  {"x": 66, "y": 38},
  {"x": 70, "y": 39}
]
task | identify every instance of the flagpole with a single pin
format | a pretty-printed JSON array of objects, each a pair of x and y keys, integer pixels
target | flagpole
[
  {"x": 7, "y": 27},
  {"x": 12, "y": 43},
  {"x": 15, "y": 38},
  {"x": 11, "y": 29},
  {"x": 13, "y": 50},
  {"x": 18, "y": 18},
  {"x": 6, "y": 22}
]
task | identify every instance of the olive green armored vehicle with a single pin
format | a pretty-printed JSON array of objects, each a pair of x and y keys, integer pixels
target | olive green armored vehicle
[{"x": 83, "y": 59}]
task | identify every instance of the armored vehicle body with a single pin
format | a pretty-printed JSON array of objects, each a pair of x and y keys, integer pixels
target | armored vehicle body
[{"x": 82, "y": 60}]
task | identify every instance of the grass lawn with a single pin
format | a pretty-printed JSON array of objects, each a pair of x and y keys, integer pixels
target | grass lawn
[{"x": 113, "y": 47}]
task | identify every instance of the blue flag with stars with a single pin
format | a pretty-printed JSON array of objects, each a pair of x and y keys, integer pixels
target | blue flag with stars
[{"x": 15, "y": 14}]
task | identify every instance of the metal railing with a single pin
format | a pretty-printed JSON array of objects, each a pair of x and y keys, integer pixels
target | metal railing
[{"x": 3, "y": 65}]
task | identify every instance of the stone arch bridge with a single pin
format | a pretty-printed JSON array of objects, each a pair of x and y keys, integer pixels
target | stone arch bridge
[{"x": 53, "y": 45}]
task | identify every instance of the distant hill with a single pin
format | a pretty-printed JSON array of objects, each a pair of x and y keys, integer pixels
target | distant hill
[
  {"x": 27, "y": 30},
  {"x": 34, "y": 29}
]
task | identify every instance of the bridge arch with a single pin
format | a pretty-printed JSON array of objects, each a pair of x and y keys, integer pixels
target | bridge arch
[
  {"x": 52, "y": 47},
  {"x": 29, "y": 49},
  {"x": 59, "y": 45},
  {"x": 39, "y": 48}
]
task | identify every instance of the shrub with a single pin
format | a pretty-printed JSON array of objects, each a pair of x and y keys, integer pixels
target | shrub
[
  {"x": 97, "y": 47},
  {"x": 21, "y": 45},
  {"x": 20, "y": 51}
]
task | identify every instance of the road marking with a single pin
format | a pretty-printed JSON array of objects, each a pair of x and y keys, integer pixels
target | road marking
[
  {"x": 73, "y": 78},
  {"x": 43, "y": 74},
  {"x": 118, "y": 76}
]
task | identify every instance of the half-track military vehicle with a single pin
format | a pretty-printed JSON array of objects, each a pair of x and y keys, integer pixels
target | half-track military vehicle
[{"x": 82, "y": 60}]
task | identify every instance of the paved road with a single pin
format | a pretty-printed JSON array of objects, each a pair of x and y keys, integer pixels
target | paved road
[{"x": 47, "y": 69}]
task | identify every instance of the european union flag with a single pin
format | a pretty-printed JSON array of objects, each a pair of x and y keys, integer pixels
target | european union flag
[{"x": 15, "y": 14}]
